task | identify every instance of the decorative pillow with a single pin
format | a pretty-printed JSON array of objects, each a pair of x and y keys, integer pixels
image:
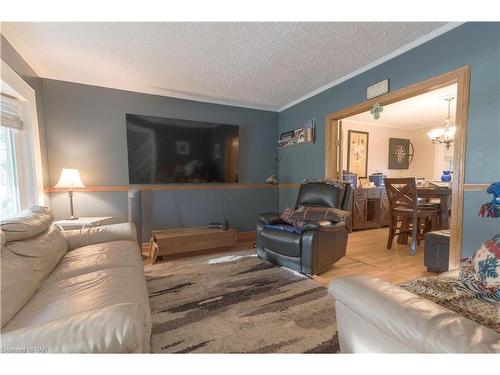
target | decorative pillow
[
  {"x": 305, "y": 213},
  {"x": 486, "y": 263},
  {"x": 287, "y": 217},
  {"x": 327, "y": 181}
]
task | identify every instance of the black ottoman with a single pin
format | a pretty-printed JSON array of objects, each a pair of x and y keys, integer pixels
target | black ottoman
[{"x": 437, "y": 250}]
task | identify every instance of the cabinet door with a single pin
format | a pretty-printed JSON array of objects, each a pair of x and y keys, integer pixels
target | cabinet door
[
  {"x": 385, "y": 212},
  {"x": 359, "y": 213}
]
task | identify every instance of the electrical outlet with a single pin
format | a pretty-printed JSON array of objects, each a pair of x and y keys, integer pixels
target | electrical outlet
[{"x": 380, "y": 88}]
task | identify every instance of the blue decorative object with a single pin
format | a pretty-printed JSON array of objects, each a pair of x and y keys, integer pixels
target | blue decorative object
[
  {"x": 377, "y": 179},
  {"x": 351, "y": 178},
  {"x": 492, "y": 209},
  {"x": 446, "y": 177}
]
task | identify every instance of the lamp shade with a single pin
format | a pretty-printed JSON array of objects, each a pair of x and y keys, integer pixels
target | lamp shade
[{"x": 70, "y": 178}]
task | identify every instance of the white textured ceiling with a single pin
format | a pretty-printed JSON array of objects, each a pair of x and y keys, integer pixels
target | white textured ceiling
[
  {"x": 263, "y": 65},
  {"x": 429, "y": 109}
]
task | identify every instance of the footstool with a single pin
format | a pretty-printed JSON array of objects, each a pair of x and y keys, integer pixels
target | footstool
[{"x": 437, "y": 250}]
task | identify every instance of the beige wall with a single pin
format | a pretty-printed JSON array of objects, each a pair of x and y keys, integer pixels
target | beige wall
[{"x": 428, "y": 161}]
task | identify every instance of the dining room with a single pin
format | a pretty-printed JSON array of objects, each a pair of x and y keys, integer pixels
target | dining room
[{"x": 400, "y": 160}]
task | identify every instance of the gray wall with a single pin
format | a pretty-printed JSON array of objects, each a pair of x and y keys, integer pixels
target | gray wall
[
  {"x": 477, "y": 44},
  {"x": 10, "y": 56},
  {"x": 86, "y": 130}
]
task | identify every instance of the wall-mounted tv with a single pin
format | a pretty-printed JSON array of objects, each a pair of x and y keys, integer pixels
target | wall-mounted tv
[{"x": 166, "y": 150}]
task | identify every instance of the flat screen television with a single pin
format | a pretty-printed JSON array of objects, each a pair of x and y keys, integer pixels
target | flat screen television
[{"x": 166, "y": 150}]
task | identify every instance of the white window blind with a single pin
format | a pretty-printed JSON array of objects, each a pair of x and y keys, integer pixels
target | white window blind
[{"x": 11, "y": 112}]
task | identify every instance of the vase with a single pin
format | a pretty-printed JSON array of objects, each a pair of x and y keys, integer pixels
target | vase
[{"x": 446, "y": 177}]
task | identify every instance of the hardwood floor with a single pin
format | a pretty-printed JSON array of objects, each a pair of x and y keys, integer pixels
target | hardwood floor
[{"x": 367, "y": 254}]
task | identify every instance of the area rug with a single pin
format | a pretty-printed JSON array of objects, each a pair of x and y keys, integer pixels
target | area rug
[{"x": 238, "y": 303}]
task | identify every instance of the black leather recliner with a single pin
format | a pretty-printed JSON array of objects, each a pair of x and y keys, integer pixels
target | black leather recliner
[{"x": 320, "y": 243}]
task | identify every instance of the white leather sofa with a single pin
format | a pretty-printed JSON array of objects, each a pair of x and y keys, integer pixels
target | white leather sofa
[
  {"x": 374, "y": 316},
  {"x": 77, "y": 291}
]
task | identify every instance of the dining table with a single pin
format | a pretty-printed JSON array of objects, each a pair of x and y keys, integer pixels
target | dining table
[
  {"x": 443, "y": 194},
  {"x": 434, "y": 192}
]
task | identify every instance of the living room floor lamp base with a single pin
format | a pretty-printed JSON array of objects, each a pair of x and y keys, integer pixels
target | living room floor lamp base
[
  {"x": 71, "y": 214},
  {"x": 70, "y": 179}
]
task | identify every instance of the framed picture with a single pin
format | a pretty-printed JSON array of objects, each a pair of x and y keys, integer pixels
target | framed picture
[
  {"x": 299, "y": 135},
  {"x": 182, "y": 148},
  {"x": 400, "y": 153},
  {"x": 357, "y": 153},
  {"x": 286, "y": 138}
]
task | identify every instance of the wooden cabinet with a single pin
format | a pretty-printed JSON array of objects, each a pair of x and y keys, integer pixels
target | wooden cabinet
[
  {"x": 186, "y": 240},
  {"x": 358, "y": 213},
  {"x": 369, "y": 208}
]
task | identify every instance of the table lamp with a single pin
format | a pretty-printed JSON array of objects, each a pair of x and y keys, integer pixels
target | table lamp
[{"x": 70, "y": 179}]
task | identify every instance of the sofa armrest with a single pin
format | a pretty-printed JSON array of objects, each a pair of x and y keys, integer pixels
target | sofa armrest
[
  {"x": 269, "y": 218},
  {"x": 113, "y": 329},
  {"x": 413, "y": 321},
  {"x": 105, "y": 233}
]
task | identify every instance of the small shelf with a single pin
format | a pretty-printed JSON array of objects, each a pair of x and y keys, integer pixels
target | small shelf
[{"x": 294, "y": 144}]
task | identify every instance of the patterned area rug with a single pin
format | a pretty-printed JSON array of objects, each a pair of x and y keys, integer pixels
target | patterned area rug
[{"x": 238, "y": 303}]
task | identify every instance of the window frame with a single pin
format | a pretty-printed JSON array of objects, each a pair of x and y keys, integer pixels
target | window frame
[{"x": 28, "y": 154}]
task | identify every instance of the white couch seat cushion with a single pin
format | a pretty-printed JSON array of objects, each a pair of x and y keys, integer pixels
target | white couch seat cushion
[
  {"x": 91, "y": 291},
  {"x": 74, "y": 334}
]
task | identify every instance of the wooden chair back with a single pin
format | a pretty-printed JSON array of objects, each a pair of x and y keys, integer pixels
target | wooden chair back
[{"x": 401, "y": 192}]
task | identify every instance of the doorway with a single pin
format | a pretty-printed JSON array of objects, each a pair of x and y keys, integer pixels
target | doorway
[{"x": 459, "y": 79}]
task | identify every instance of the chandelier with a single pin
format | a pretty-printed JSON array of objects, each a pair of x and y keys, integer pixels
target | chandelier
[{"x": 444, "y": 135}]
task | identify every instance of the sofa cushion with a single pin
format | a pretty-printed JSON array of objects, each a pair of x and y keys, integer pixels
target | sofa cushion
[
  {"x": 42, "y": 252},
  {"x": 25, "y": 264},
  {"x": 100, "y": 234},
  {"x": 97, "y": 257},
  {"x": 84, "y": 293},
  {"x": 281, "y": 242},
  {"x": 18, "y": 284},
  {"x": 118, "y": 326},
  {"x": 28, "y": 223}
]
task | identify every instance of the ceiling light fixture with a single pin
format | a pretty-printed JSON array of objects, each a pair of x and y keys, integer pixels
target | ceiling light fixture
[{"x": 444, "y": 135}]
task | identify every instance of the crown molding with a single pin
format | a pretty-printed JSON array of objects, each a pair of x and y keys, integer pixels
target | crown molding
[{"x": 407, "y": 47}]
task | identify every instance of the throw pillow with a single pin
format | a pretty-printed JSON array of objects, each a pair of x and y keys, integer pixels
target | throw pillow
[
  {"x": 287, "y": 217},
  {"x": 486, "y": 263},
  {"x": 319, "y": 213}
]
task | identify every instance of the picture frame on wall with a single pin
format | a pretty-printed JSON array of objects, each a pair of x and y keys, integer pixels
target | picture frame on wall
[
  {"x": 357, "y": 152},
  {"x": 299, "y": 135},
  {"x": 400, "y": 153},
  {"x": 302, "y": 135},
  {"x": 286, "y": 138}
]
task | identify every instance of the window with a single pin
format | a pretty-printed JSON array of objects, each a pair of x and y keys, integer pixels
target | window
[
  {"x": 21, "y": 184},
  {"x": 9, "y": 194}
]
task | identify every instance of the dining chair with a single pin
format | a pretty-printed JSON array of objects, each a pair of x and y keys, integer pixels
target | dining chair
[{"x": 405, "y": 211}]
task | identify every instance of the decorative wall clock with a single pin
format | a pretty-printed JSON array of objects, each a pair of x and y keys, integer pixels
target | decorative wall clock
[{"x": 400, "y": 153}]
